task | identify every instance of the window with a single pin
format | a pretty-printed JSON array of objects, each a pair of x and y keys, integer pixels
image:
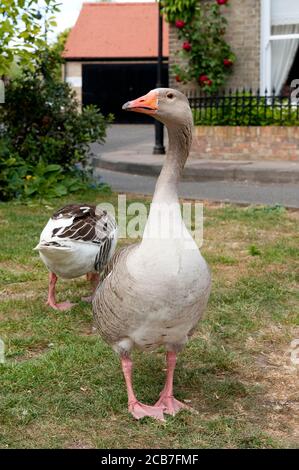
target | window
[{"x": 279, "y": 43}]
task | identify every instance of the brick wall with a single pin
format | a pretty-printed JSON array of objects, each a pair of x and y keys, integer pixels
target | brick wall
[
  {"x": 246, "y": 143},
  {"x": 243, "y": 34}
]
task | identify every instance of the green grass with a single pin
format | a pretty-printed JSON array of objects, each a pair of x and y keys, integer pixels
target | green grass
[{"x": 61, "y": 385}]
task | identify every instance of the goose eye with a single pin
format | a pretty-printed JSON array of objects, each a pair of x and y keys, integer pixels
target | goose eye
[{"x": 170, "y": 95}]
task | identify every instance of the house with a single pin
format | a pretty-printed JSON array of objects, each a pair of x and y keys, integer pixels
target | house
[
  {"x": 111, "y": 55},
  {"x": 264, "y": 35},
  {"x": 111, "y": 51}
]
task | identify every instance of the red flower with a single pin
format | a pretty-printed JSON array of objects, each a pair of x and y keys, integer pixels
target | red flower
[
  {"x": 227, "y": 62},
  {"x": 222, "y": 2},
  {"x": 187, "y": 46},
  {"x": 204, "y": 80},
  {"x": 180, "y": 24},
  {"x": 178, "y": 78}
]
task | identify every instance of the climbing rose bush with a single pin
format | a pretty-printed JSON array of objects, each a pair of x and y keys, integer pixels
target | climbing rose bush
[{"x": 201, "y": 27}]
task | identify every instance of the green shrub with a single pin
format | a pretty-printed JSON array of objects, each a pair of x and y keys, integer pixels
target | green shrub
[
  {"x": 44, "y": 136},
  {"x": 12, "y": 172},
  {"x": 41, "y": 117},
  {"x": 43, "y": 181},
  {"x": 50, "y": 181}
]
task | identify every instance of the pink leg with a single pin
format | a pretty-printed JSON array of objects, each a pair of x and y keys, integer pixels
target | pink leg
[
  {"x": 51, "y": 295},
  {"x": 167, "y": 401},
  {"x": 137, "y": 409},
  {"x": 93, "y": 278}
]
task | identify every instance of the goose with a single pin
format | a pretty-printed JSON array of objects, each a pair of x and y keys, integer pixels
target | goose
[
  {"x": 154, "y": 292},
  {"x": 78, "y": 239}
]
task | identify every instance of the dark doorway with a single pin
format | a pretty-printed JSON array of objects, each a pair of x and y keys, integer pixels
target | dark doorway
[
  {"x": 294, "y": 72},
  {"x": 109, "y": 86}
]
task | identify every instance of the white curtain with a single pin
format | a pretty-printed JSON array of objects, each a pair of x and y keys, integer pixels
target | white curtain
[
  {"x": 284, "y": 12},
  {"x": 283, "y": 55}
]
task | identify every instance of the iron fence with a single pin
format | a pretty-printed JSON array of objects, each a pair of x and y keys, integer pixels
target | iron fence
[{"x": 245, "y": 108}]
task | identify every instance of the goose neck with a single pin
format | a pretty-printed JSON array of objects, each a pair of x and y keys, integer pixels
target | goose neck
[{"x": 180, "y": 139}]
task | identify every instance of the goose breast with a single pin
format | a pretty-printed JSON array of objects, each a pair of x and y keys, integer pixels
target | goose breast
[{"x": 160, "y": 301}]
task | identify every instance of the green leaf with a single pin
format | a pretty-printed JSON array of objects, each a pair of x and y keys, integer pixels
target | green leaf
[
  {"x": 60, "y": 190},
  {"x": 52, "y": 168}
]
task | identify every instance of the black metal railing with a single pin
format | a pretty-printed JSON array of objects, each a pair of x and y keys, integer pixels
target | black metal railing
[{"x": 244, "y": 108}]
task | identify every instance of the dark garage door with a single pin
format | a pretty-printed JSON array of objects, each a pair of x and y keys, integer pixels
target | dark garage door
[{"x": 109, "y": 86}]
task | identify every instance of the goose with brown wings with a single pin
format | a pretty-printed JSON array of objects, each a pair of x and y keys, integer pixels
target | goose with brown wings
[{"x": 78, "y": 239}]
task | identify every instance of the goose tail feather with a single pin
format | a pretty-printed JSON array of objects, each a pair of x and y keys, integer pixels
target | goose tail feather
[{"x": 51, "y": 247}]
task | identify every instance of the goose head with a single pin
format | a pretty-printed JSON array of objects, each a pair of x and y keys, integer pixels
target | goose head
[{"x": 167, "y": 105}]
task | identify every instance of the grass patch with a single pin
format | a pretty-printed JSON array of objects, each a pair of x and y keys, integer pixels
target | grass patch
[{"x": 61, "y": 385}]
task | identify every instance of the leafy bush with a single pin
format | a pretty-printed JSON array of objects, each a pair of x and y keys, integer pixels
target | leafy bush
[
  {"x": 12, "y": 171},
  {"x": 44, "y": 136},
  {"x": 22, "y": 30},
  {"x": 43, "y": 181},
  {"x": 50, "y": 181},
  {"x": 41, "y": 117}
]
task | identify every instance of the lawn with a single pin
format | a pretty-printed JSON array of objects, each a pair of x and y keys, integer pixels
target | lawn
[{"x": 61, "y": 385}]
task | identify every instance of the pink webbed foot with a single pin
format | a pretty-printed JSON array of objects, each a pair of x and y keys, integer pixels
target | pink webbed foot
[
  {"x": 167, "y": 402},
  {"x": 171, "y": 405},
  {"x": 139, "y": 410},
  {"x": 62, "y": 306},
  {"x": 51, "y": 302}
]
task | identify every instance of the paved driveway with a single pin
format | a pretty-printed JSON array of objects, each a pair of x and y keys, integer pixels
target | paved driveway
[{"x": 125, "y": 138}]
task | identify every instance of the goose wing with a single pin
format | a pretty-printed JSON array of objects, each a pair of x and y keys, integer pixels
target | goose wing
[
  {"x": 83, "y": 224},
  {"x": 89, "y": 224}
]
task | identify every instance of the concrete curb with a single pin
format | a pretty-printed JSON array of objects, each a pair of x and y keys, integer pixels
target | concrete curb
[{"x": 203, "y": 170}]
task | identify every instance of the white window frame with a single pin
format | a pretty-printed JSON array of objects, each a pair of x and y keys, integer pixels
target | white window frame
[{"x": 266, "y": 41}]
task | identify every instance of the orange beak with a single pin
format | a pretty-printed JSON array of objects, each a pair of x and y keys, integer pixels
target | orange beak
[{"x": 147, "y": 104}]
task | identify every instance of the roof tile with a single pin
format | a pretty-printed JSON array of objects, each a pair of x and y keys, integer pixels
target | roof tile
[{"x": 116, "y": 30}]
